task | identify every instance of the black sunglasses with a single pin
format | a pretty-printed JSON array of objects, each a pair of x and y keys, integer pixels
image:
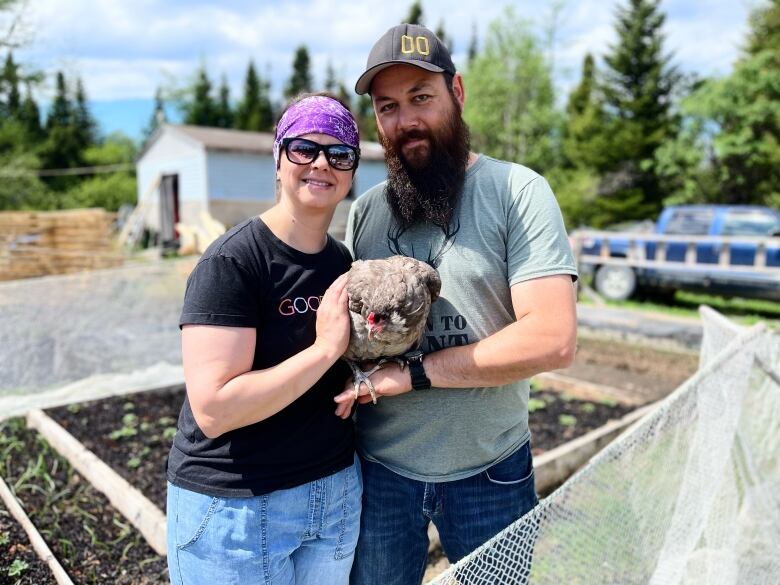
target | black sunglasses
[{"x": 301, "y": 151}]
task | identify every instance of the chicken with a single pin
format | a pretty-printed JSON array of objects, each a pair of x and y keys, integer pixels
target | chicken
[{"x": 389, "y": 302}]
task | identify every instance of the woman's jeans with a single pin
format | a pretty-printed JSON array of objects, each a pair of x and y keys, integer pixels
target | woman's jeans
[
  {"x": 393, "y": 547},
  {"x": 302, "y": 535}
]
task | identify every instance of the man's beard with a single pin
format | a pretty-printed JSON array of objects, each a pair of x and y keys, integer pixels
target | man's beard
[{"x": 427, "y": 188}]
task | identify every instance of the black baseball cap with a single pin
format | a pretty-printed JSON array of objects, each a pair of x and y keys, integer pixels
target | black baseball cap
[{"x": 405, "y": 43}]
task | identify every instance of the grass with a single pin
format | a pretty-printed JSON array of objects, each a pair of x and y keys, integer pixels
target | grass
[{"x": 686, "y": 304}]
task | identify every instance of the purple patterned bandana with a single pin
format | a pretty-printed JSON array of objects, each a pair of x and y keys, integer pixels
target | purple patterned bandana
[{"x": 316, "y": 115}]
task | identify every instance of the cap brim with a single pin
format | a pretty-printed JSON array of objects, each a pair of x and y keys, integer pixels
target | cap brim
[{"x": 363, "y": 84}]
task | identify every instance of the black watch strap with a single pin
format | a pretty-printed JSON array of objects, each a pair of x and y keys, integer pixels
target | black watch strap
[{"x": 414, "y": 359}]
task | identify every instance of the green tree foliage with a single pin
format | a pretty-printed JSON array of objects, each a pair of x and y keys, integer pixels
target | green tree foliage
[
  {"x": 83, "y": 122},
  {"x": 510, "y": 98},
  {"x": 9, "y": 88},
  {"x": 20, "y": 187},
  {"x": 300, "y": 80},
  {"x": 223, "y": 115},
  {"x": 254, "y": 111},
  {"x": 764, "y": 32},
  {"x": 63, "y": 147},
  {"x": 109, "y": 190},
  {"x": 415, "y": 14},
  {"x": 729, "y": 149},
  {"x": 638, "y": 87},
  {"x": 364, "y": 113},
  {"x": 200, "y": 109},
  {"x": 585, "y": 145}
]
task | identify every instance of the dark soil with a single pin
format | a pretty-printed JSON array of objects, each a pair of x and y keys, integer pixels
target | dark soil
[
  {"x": 19, "y": 564},
  {"x": 133, "y": 433},
  {"x": 556, "y": 418},
  {"x": 91, "y": 540}
]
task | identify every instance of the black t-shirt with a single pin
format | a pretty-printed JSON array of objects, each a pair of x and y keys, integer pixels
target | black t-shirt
[{"x": 250, "y": 278}]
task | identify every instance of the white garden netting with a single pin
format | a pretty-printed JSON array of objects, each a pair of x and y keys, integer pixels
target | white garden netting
[
  {"x": 90, "y": 334},
  {"x": 689, "y": 495}
]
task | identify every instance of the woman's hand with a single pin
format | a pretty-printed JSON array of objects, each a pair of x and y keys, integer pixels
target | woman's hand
[{"x": 333, "y": 319}]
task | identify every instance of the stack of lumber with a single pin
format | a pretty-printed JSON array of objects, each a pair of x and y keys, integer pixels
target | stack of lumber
[{"x": 37, "y": 243}]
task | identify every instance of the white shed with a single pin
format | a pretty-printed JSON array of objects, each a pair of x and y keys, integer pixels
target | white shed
[{"x": 184, "y": 170}]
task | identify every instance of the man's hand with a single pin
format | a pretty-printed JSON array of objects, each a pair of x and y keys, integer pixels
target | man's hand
[{"x": 390, "y": 380}]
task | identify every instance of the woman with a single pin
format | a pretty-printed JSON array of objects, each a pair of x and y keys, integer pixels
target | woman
[{"x": 263, "y": 484}]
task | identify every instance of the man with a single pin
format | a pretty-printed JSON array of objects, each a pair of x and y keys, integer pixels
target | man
[{"x": 448, "y": 440}]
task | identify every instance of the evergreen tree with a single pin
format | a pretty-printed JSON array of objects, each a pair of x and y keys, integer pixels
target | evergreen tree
[
  {"x": 300, "y": 80},
  {"x": 254, "y": 111},
  {"x": 158, "y": 117},
  {"x": 415, "y": 15},
  {"x": 201, "y": 110},
  {"x": 473, "y": 44},
  {"x": 584, "y": 143},
  {"x": 331, "y": 83},
  {"x": 30, "y": 117},
  {"x": 64, "y": 146},
  {"x": 223, "y": 115},
  {"x": 638, "y": 87},
  {"x": 61, "y": 112},
  {"x": 444, "y": 37},
  {"x": 84, "y": 124},
  {"x": 9, "y": 87}
]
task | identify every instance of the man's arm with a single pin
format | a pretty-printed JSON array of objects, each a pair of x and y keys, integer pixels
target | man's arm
[{"x": 542, "y": 338}]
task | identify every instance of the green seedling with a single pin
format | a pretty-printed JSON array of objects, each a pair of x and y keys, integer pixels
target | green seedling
[
  {"x": 166, "y": 421},
  {"x": 4, "y": 538},
  {"x": 128, "y": 429},
  {"x": 74, "y": 408},
  {"x": 134, "y": 462},
  {"x": 567, "y": 420},
  {"x": 608, "y": 402},
  {"x": 169, "y": 432},
  {"x": 128, "y": 406},
  {"x": 17, "y": 568},
  {"x": 588, "y": 407},
  {"x": 535, "y": 404},
  {"x": 145, "y": 427}
]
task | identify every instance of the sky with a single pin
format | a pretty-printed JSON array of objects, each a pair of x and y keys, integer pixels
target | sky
[{"x": 124, "y": 50}]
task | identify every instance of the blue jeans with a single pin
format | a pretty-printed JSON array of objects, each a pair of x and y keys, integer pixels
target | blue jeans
[
  {"x": 393, "y": 545},
  {"x": 306, "y": 534}
]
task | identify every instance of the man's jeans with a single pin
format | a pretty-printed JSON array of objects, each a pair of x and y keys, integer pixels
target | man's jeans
[
  {"x": 306, "y": 534},
  {"x": 393, "y": 544}
]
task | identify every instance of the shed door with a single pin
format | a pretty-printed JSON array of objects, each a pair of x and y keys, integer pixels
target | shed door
[{"x": 169, "y": 207}]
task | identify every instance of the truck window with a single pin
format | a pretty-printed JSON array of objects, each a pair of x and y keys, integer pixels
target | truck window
[
  {"x": 750, "y": 223},
  {"x": 690, "y": 222}
]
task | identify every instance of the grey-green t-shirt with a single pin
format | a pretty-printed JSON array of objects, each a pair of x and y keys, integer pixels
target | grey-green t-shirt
[{"x": 507, "y": 229}]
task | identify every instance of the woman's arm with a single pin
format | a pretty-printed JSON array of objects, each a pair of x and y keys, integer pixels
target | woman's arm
[{"x": 223, "y": 391}]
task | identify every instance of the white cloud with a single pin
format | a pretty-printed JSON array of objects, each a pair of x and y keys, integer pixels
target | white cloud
[{"x": 121, "y": 49}]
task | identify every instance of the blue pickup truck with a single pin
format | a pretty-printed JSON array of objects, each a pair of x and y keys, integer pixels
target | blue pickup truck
[{"x": 731, "y": 250}]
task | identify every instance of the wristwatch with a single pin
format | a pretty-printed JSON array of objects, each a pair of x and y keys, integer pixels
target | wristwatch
[{"x": 414, "y": 359}]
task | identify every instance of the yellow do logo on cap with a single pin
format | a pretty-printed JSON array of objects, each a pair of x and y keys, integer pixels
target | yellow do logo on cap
[{"x": 411, "y": 45}]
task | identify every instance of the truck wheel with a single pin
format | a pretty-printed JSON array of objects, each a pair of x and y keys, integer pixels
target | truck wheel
[{"x": 617, "y": 283}]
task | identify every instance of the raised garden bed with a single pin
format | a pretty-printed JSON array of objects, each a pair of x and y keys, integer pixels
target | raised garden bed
[
  {"x": 91, "y": 540},
  {"x": 133, "y": 433},
  {"x": 19, "y": 563}
]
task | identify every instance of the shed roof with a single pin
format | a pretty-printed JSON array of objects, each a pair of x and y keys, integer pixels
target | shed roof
[{"x": 242, "y": 140}]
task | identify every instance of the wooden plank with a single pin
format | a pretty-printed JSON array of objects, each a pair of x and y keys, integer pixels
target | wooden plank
[
  {"x": 36, "y": 540},
  {"x": 128, "y": 500}
]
